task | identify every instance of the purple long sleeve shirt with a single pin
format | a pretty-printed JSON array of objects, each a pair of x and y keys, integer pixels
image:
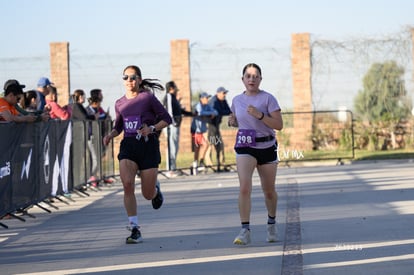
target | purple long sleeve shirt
[{"x": 131, "y": 113}]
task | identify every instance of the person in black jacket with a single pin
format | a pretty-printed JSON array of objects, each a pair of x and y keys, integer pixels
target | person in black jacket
[
  {"x": 219, "y": 103},
  {"x": 79, "y": 112},
  {"x": 176, "y": 111}
]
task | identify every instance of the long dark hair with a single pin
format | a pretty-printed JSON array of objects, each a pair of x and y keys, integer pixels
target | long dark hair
[{"x": 147, "y": 83}]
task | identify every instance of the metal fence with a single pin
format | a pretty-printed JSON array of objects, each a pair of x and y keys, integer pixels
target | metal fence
[{"x": 319, "y": 135}]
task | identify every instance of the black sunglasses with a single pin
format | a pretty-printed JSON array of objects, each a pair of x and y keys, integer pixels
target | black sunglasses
[{"x": 132, "y": 77}]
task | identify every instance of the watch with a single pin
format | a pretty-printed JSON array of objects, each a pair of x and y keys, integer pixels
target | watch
[{"x": 152, "y": 127}]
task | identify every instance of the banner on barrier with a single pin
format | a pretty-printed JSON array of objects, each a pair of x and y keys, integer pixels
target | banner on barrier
[{"x": 34, "y": 163}]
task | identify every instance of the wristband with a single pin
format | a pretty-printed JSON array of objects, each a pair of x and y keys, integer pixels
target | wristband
[
  {"x": 152, "y": 127},
  {"x": 261, "y": 116}
]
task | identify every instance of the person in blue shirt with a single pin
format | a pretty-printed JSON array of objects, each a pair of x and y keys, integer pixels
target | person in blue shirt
[
  {"x": 199, "y": 129},
  {"x": 42, "y": 91}
]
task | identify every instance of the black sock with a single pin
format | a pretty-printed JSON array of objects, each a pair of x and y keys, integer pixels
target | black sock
[
  {"x": 271, "y": 220},
  {"x": 246, "y": 225}
]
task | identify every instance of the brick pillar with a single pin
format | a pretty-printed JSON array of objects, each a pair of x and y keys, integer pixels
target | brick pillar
[
  {"x": 412, "y": 47},
  {"x": 180, "y": 70},
  {"x": 302, "y": 90},
  {"x": 59, "y": 70},
  {"x": 180, "y": 74}
]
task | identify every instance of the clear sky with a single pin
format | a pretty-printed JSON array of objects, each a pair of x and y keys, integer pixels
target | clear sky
[{"x": 114, "y": 26}]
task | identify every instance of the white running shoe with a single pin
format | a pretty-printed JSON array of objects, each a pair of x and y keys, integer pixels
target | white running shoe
[
  {"x": 243, "y": 238},
  {"x": 271, "y": 233}
]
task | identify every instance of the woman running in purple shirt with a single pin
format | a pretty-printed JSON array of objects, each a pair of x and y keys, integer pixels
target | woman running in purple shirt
[
  {"x": 257, "y": 115},
  {"x": 140, "y": 115}
]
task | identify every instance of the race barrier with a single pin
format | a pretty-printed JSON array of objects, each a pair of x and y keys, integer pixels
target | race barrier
[{"x": 44, "y": 160}]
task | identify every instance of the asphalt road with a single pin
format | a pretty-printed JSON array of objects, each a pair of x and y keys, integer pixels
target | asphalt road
[{"x": 349, "y": 219}]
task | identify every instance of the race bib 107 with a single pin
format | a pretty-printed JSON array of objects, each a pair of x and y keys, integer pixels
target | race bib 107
[{"x": 132, "y": 124}]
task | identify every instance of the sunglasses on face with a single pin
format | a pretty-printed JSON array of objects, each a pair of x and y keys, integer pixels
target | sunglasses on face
[{"x": 132, "y": 77}]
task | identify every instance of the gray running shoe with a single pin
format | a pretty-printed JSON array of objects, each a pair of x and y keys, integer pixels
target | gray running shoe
[
  {"x": 243, "y": 238},
  {"x": 271, "y": 233}
]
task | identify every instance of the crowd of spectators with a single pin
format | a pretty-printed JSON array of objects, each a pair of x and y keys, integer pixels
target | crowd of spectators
[{"x": 41, "y": 104}]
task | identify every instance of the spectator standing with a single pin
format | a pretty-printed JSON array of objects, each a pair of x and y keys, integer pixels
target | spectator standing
[
  {"x": 13, "y": 92},
  {"x": 199, "y": 130},
  {"x": 176, "y": 111},
  {"x": 219, "y": 103},
  {"x": 95, "y": 102},
  {"x": 95, "y": 108},
  {"x": 79, "y": 112},
  {"x": 257, "y": 115},
  {"x": 140, "y": 115},
  {"x": 42, "y": 92},
  {"x": 106, "y": 126},
  {"x": 55, "y": 110},
  {"x": 29, "y": 101}
]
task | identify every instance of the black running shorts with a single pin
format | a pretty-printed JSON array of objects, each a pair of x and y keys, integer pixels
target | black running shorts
[
  {"x": 146, "y": 154},
  {"x": 263, "y": 156}
]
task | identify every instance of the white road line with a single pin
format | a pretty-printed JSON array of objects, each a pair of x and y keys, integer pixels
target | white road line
[
  {"x": 363, "y": 261},
  {"x": 160, "y": 263},
  {"x": 5, "y": 236}
]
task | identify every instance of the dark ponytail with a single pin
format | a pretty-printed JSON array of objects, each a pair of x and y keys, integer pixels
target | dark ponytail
[{"x": 148, "y": 83}]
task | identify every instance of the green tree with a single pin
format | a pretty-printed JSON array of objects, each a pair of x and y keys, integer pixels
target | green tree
[
  {"x": 382, "y": 104},
  {"x": 384, "y": 96}
]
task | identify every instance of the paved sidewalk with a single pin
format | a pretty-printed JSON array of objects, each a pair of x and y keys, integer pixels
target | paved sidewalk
[{"x": 350, "y": 219}]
